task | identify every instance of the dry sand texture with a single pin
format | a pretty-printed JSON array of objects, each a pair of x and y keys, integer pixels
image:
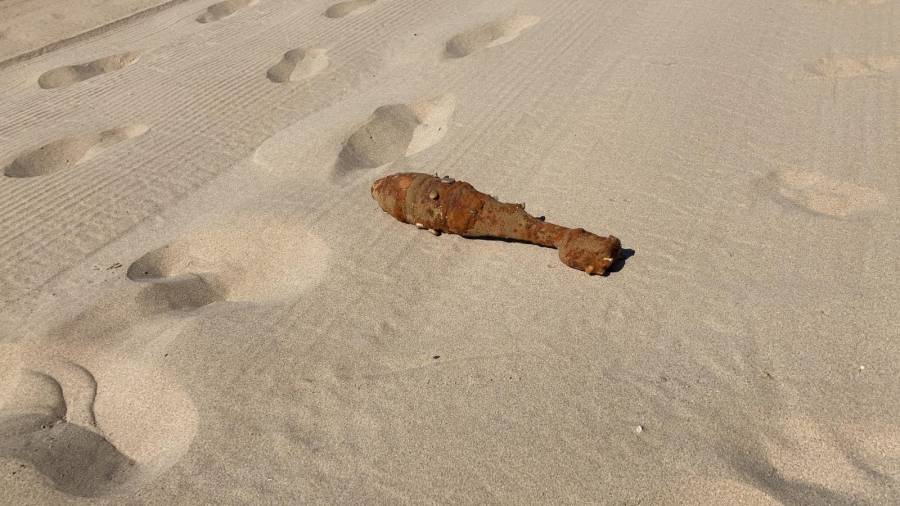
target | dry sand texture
[{"x": 200, "y": 301}]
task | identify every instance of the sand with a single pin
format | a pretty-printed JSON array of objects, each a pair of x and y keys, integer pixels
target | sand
[{"x": 200, "y": 302}]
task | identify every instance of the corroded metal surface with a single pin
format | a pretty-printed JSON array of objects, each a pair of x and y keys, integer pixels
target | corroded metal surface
[{"x": 455, "y": 207}]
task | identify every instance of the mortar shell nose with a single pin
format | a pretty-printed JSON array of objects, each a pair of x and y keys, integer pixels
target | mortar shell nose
[
  {"x": 376, "y": 186},
  {"x": 615, "y": 247}
]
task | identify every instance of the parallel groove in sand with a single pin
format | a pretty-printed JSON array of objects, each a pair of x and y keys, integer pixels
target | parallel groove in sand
[
  {"x": 501, "y": 81},
  {"x": 575, "y": 37},
  {"x": 119, "y": 186},
  {"x": 176, "y": 106},
  {"x": 210, "y": 65},
  {"x": 88, "y": 34}
]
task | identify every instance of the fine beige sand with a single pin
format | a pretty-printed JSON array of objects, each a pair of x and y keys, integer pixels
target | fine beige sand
[{"x": 200, "y": 302}]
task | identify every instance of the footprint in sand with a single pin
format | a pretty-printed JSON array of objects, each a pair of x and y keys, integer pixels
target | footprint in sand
[
  {"x": 224, "y": 9},
  {"x": 70, "y": 151},
  {"x": 842, "y": 67},
  {"x": 488, "y": 35},
  {"x": 298, "y": 65},
  {"x": 71, "y": 74},
  {"x": 353, "y": 7},
  {"x": 247, "y": 258},
  {"x": 819, "y": 194},
  {"x": 800, "y": 461},
  {"x": 48, "y": 420},
  {"x": 396, "y": 131},
  {"x": 59, "y": 436}
]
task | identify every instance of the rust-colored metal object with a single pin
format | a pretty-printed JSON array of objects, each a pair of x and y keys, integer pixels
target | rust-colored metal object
[{"x": 446, "y": 205}]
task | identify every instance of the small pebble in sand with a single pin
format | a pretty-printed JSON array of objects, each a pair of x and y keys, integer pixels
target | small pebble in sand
[
  {"x": 862, "y": 368},
  {"x": 638, "y": 429}
]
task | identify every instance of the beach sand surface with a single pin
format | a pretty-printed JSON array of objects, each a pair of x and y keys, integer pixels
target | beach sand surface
[{"x": 200, "y": 302}]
